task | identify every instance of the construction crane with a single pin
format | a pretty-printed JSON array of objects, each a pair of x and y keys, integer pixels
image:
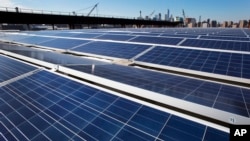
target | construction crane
[
  {"x": 95, "y": 6},
  {"x": 184, "y": 17},
  {"x": 151, "y": 14},
  {"x": 199, "y": 22}
]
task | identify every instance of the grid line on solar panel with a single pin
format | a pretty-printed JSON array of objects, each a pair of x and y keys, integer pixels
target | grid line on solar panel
[
  {"x": 34, "y": 39},
  {"x": 225, "y": 38},
  {"x": 230, "y": 64},
  {"x": 192, "y": 90},
  {"x": 215, "y": 44},
  {"x": 58, "y": 113},
  {"x": 115, "y": 37},
  {"x": 63, "y": 43},
  {"x": 112, "y": 49},
  {"x": 11, "y": 68},
  {"x": 157, "y": 40},
  {"x": 47, "y": 56}
]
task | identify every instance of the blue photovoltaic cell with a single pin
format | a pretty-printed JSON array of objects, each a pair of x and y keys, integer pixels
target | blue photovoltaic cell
[
  {"x": 47, "y": 56},
  {"x": 115, "y": 37},
  {"x": 180, "y": 35},
  {"x": 34, "y": 40},
  {"x": 229, "y": 98},
  {"x": 86, "y": 35},
  {"x": 61, "y": 43},
  {"x": 119, "y": 50},
  {"x": 231, "y": 64},
  {"x": 157, "y": 40},
  {"x": 226, "y": 38},
  {"x": 12, "y": 37},
  {"x": 46, "y": 106},
  {"x": 10, "y": 68},
  {"x": 225, "y": 45}
]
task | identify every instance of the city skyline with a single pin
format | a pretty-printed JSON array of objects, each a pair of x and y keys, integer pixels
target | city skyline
[{"x": 222, "y": 10}]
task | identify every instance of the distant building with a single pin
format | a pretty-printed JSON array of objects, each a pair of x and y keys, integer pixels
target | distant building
[
  {"x": 243, "y": 24},
  {"x": 156, "y": 17},
  {"x": 235, "y": 25},
  {"x": 230, "y": 24},
  {"x": 213, "y": 23},
  {"x": 191, "y": 21},
  {"x": 249, "y": 24},
  {"x": 208, "y": 22},
  {"x": 159, "y": 17},
  {"x": 178, "y": 19},
  {"x": 191, "y": 25},
  {"x": 171, "y": 18},
  {"x": 204, "y": 25},
  {"x": 225, "y": 24},
  {"x": 167, "y": 16}
]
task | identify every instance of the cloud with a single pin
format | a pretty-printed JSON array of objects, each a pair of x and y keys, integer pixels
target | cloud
[
  {"x": 7, "y": 3},
  {"x": 10, "y": 3}
]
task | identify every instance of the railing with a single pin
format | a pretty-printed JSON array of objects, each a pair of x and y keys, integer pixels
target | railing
[{"x": 23, "y": 10}]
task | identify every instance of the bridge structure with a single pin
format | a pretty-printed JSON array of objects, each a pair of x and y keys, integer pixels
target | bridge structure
[{"x": 18, "y": 16}]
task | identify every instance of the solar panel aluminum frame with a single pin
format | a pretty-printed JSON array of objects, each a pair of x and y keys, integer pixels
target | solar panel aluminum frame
[
  {"x": 93, "y": 55},
  {"x": 31, "y": 60},
  {"x": 163, "y": 99},
  {"x": 194, "y": 119},
  {"x": 167, "y": 100},
  {"x": 193, "y": 72}
]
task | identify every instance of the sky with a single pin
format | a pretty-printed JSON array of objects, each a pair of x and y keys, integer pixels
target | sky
[{"x": 220, "y": 10}]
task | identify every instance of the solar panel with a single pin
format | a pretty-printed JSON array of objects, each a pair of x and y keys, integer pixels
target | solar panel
[
  {"x": 62, "y": 43},
  {"x": 111, "y": 49},
  {"x": 209, "y": 94},
  {"x": 46, "y": 106},
  {"x": 12, "y": 37},
  {"x": 225, "y": 38},
  {"x": 179, "y": 35},
  {"x": 115, "y": 37},
  {"x": 225, "y": 45},
  {"x": 230, "y": 64},
  {"x": 47, "y": 56},
  {"x": 157, "y": 40},
  {"x": 34, "y": 40},
  {"x": 86, "y": 35},
  {"x": 11, "y": 68}
]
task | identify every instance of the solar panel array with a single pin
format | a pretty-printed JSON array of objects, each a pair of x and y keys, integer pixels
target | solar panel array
[
  {"x": 10, "y": 69},
  {"x": 224, "y": 45},
  {"x": 231, "y": 64},
  {"x": 119, "y": 50},
  {"x": 46, "y": 106},
  {"x": 214, "y": 95},
  {"x": 53, "y": 105}
]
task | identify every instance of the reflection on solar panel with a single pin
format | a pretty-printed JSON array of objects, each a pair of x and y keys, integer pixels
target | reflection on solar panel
[
  {"x": 46, "y": 106},
  {"x": 197, "y": 91},
  {"x": 50, "y": 57},
  {"x": 226, "y": 38},
  {"x": 12, "y": 37},
  {"x": 230, "y": 64},
  {"x": 116, "y": 37},
  {"x": 119, "y": 50},
  {"x": 225, "y": 45},
  {"x": 10, "y": 68},
  {"x": 180, "y": 35},
  {"x": 157, "y": 40},
  {"x": 63, "y": 43},
  {"x": 34, "y": 40},
  {"x": 86, "y": 35},
  {"x": 112, "y": 102}
]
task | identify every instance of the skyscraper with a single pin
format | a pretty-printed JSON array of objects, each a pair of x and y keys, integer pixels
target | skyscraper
[
  {"x": 213, "y": 23},
  {"x": 243, "y": 24}
]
